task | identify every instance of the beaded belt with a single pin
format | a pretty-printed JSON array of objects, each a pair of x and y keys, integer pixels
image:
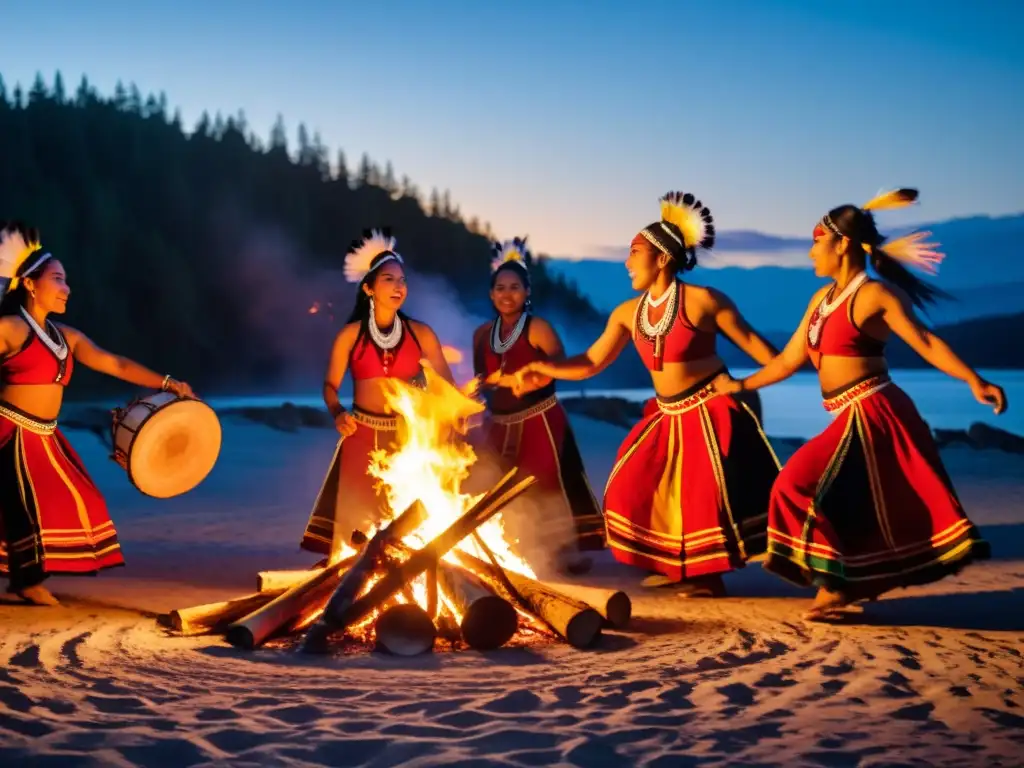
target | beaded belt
[
  {"x": 677, "y": 407},
  {"x": 27, "y": 422},
  {"x": 380, "y": 423},
  {"x": 857, "y": 392},
  {"x": 527, "y": 413}
]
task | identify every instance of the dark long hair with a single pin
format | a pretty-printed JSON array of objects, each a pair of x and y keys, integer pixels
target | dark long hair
[
  {"x": 14, "y": 300},
  {"x": 361, "y": 311},
  {"x": 859, "y": 226}
]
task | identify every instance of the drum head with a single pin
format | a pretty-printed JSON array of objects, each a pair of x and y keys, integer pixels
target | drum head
[{"x": 175, "y": 449}]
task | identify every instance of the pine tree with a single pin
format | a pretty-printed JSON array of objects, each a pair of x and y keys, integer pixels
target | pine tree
[
  {"x": 435, "y": 203},
  {"x": 38, "y": 91},
  {"x": 58, "y": 88},
  {"x": 341, "y": 169},
  {"x": 388, "y": 181},
  {"x": 279, "y": 136},
  {"x": 365, "y": 171}
]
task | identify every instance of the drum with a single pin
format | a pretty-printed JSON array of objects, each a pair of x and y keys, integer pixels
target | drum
[{"x": 167, "y": 444}]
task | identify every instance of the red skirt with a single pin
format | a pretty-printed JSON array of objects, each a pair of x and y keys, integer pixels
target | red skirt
[
  {"x": 53, "y": 519},
  {"x": 689, "y": 490},
  {"x": 540, "y": 441},
  {"x": 349, "y": 499},
  {"x": 867, "y": 505}
]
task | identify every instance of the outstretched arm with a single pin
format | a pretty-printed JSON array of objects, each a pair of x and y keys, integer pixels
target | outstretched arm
[
  {"x": 92, "y": 356},
  {"x": 601, "y": 354},
  {"x": 735, "y": 327},
  {"x": 898, "y": 313}
]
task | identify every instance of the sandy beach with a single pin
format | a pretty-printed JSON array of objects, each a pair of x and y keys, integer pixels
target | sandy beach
[{"x": 927, "y": 676}]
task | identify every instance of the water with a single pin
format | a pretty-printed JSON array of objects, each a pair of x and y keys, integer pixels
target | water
[{"x": 793, "y": 407}]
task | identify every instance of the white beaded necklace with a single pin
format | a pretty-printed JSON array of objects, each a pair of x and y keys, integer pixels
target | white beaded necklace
[
  {"x": 384, "y": 341},
  {"x": 826, "y": 308},
  {"x": 60, "y": 350},
  {"x": 659, "y": 328},
  {"x": 500, "y": 347}
]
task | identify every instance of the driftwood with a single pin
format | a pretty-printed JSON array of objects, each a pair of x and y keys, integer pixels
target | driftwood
[
  {"x": 429, "y": 555},
  {"x": 488, "y": 621},
  {"x": 575, "y": 621},
  {"x": 269, "y": 581},
  {"x": 212, "y": 617},
  {"x": 614, "y": 605},
  {"x": 405, "y": 629}
]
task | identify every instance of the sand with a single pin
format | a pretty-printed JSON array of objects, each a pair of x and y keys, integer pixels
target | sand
[{"x": 927, "y": 676}]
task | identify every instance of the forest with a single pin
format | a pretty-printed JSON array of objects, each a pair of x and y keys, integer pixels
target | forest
[{"x": 217, "y": 255}]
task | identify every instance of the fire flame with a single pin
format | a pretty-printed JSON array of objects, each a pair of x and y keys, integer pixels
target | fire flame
[{"x": 432, "y": 462}]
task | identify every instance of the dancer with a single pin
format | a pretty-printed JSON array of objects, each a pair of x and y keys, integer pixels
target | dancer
[
  {"x": 53, "y": 519},
  {"x": 533, "y": 431},
  {"x": 867, "y": 506},
  {"x": 687, "y": 494},
  {"x": 377, "y": 343}
]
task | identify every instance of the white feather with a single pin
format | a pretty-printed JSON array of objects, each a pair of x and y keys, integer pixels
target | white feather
[{"x": 358, "y": 260}]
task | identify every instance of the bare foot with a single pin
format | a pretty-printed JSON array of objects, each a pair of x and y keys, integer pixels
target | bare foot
[
  {"x": 827, "y": 606},
  {"x": 703, "y": 586},
  {"x": 38, "y": 595}
]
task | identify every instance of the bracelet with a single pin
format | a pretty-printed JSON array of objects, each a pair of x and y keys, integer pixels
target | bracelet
[{"x": 167, "y": 380}]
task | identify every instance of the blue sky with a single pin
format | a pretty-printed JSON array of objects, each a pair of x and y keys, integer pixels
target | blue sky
[{"x": 566, "y": 119}]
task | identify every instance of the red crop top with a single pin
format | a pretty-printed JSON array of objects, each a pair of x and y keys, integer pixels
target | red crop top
[
  {"x": 683, "y": 341},
  {"x": 486, "y": 361},
  {"x": 37, "y": 363},
  {"x": 368, "y": 361},
  {"x": 835, "y": 332}
]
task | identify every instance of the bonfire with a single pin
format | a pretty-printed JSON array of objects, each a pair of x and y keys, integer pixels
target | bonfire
[{"x": 437, "y": 572}]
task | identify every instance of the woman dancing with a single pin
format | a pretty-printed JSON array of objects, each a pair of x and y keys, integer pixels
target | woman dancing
[
  {"x": 687, "y": 495},
  {"x": 53, "y": 519},
  {"x": 866, "y": 506},
  {"x": 533, "y": 431},
  {"x": 377, "y": 343}
]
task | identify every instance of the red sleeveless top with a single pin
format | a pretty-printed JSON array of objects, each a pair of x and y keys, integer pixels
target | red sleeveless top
[
  {"x": 486, "y": 361},
  {"x": 837, "y": 334},
  {"x": 368, "y": 361},
  {"x": 37, "y": 363},
  {"x": 683, "y": 340}
]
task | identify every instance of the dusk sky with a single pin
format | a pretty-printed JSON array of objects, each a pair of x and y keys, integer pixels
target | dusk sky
[{"x": 567, "y": 119}]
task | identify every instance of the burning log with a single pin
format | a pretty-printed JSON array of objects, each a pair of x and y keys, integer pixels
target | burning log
[
  {"x": 212, "y": 617},
  {"x": 405, "y": 629},
  {"x": 288, "y": 608},
  {"x": 422, "y": 559},
  {"x": 614, "y": 605},
  {"x": 488, "y": 621},
  {"x": 573, "y": 620},
  {"x": 359, "y": 575},
  {"x": 269, "y": 581}
]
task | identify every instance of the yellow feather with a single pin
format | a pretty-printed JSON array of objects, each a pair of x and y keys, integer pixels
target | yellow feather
[
  {"x": 914, "y": 251},
  {"x": 896, "y": 198},
  {"x": 686, "y": 219}
]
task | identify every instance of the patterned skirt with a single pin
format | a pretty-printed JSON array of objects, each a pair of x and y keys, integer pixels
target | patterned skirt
[
  {"x": 348, "y": 499},
  {"x": 867, "y": 505},
  {"x": 688, "y": 494},
  {"x": 540, "y": 441},
  {"x": 53, "y": 519}
]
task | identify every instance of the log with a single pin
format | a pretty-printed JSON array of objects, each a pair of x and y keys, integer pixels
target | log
[
  {"x": 575, "y": 621},
  {"x": 488, "y": 621},
  {"x": 211, "y": 617},
  {"x": 359, "y": 574},
  {"x": 290, "y": 606},
  {"x": 614, "y": 605},
  {"x": 405, "y": 629},
  {"x": 422, "y": 559},
  {"x": 268, "y": 581}
]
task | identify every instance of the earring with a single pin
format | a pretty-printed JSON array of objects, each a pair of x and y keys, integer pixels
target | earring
[{"x": 371, "y": 308}]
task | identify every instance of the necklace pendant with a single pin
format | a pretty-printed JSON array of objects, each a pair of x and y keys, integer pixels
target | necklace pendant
[
  {"x": 388, "y": 358},
  {"x": 659, "y": 352}
]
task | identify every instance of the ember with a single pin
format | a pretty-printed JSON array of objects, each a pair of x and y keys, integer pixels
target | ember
[{"x": 441, "y": 569}]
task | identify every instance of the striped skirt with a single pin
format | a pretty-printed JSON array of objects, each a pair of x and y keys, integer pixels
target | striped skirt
[
  {"x": 688, "y": 494},
  {"x": 53, "y": 519},
  {"x": 867, "y": 505}
]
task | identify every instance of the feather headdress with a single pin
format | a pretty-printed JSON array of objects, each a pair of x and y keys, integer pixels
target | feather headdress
[
  {"x": 362, "y": 254},
  {"x": 896, "y": 198},
  {"x": 511, "y": 250},
  {"x": 17, "y": 243},
  {"x": 686, "y": 224},
  {"x": 914, "y": 251}
]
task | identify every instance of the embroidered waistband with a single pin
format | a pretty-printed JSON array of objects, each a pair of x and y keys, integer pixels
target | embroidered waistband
[
  {"x": 858, "y": 391},
  {"x": 527, "y": 413},
  {"x": 373, "y": 421},
  {"x": 676, "y": 407},
  {"x": 25, "y": 421}
]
